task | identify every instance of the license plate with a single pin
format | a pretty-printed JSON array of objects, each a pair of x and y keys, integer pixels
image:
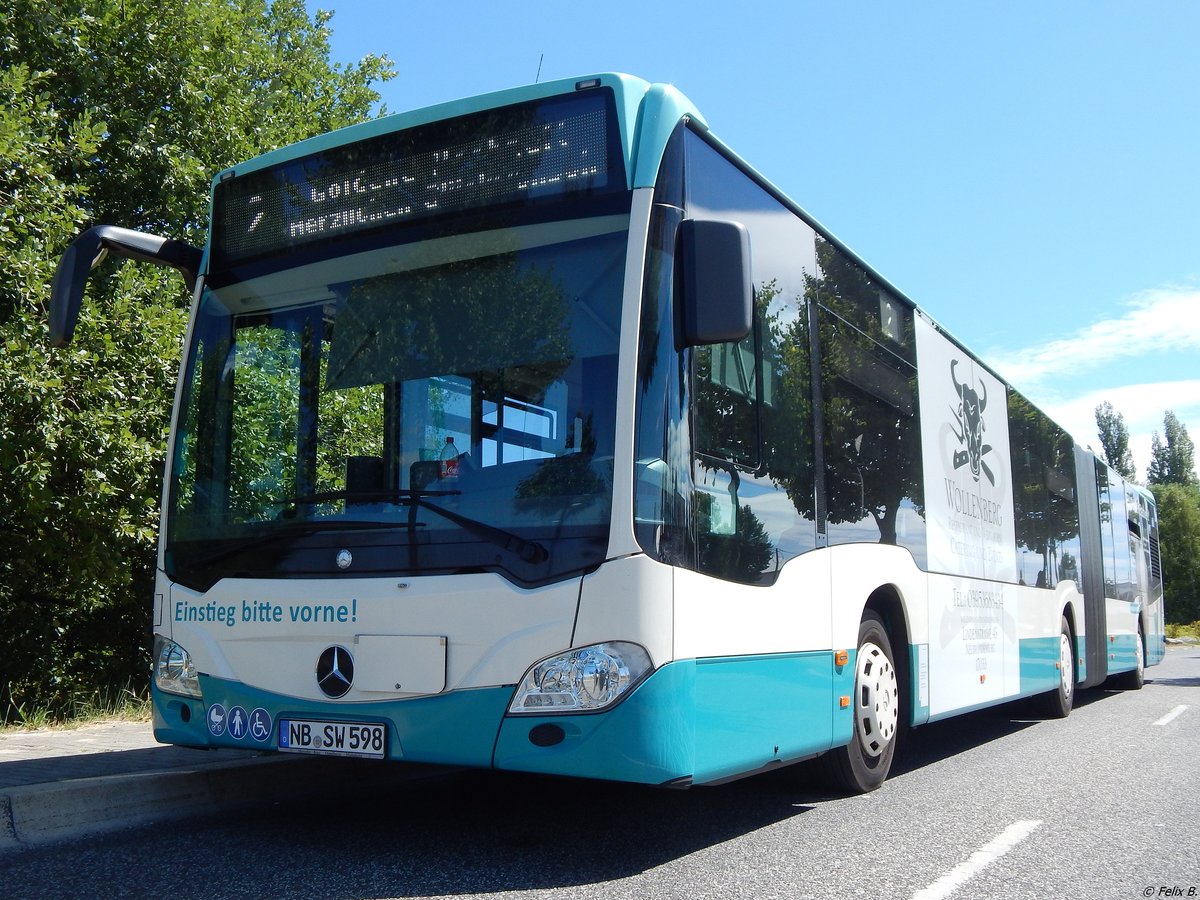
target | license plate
[{"x": 332, "y": 738}]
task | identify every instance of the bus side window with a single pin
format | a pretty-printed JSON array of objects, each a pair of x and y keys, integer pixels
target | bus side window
[
  {"x": 1045, "y": 509},
  {"x": 752, "y": 490},
  {"x": 874, "y": 482},
  {"x": 725, "y": 412}
]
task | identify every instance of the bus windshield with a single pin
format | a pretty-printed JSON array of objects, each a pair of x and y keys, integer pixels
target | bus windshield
[{"x": 431, "y": 407}]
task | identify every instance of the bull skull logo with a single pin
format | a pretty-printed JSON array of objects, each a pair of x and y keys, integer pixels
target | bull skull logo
[{"x": 969, "y": 417}]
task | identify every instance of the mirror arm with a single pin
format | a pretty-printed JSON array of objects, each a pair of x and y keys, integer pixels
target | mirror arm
[{"x": 89, "y": 249}]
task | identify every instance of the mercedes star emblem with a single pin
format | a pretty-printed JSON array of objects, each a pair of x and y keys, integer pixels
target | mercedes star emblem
[{"x": 335, "y": 671}]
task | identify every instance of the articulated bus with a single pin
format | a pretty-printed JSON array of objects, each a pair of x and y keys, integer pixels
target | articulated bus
[{"x": 537, "y": 431}]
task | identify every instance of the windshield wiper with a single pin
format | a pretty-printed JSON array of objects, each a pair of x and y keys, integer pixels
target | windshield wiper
[{"x": 528, "y": 551}]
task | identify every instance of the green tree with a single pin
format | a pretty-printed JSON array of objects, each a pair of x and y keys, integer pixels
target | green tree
[
  {"x": 1179, "y": 543},
  {"x": 39, "y": 574},
  {"x": 121, "y": 113},
  {"x": 1114, "y": 440},
  {"x": 1172, "y": 461},
  {"x": 183, "y": 89}
]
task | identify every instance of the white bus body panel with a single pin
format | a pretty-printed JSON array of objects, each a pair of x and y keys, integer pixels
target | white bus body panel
[
  {"x": 721, "y": 618},
  {"x": 629, "y": 599},
  {"x": 419, "y": 635},
  {"x": 621, "y": 539}
]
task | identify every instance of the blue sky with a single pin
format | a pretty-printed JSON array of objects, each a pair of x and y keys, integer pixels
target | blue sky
[{"x": 1027, "y": 172}]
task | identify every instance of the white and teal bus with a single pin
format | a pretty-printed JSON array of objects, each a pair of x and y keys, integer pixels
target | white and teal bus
[{"x": 537, "y": 431}]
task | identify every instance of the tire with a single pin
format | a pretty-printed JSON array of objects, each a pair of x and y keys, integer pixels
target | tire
[
  {"x": 1133, "y": 681},
  {"x": 864, "y": 763},
  {"x": 1056, "y": 704}
]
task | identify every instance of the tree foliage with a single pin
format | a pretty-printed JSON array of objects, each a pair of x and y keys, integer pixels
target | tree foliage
[
  {"x": 1179, "y": 531},
  {"x": 1172, "y": 461},
  {"x": 120, "y": 113},
  {"x": 1172, "y": 477},
  {"x": 1114, "y": 440}
]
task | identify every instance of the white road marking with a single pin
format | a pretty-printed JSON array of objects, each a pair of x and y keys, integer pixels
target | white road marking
[
  {"x": 980, "y": 860},
  {"x": 1171, "y": 716}
]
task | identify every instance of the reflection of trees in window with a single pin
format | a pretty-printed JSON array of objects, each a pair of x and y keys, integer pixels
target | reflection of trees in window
[
  {"x": 725, "y": 405},
  {"x": 661, "y": 505},
  {"x": 752, "y": 402},
  {"x": 738, "y": 385},
  {"x": 479, "y": 316},
  {"x": 1114, "y": 534},
  {"x": 872, "y": 437},
  {"x": 734, "y": 418},
  {"x": 1104, "y": 495},
  {"x": 745, "y": 556},
  {"x": 1123, "y": 564},
  {"x": 788, "y": 422},
  {"x": 1045, "y": 509},
  {"x": 872, "y": 448},
  {"x": 281, "y": 409},
  {"x": 726, "y": 415},
  {"x": 570, "y": 475},
  {"x": 752, "y": 409},
  {"x": 844, "y": 288}
]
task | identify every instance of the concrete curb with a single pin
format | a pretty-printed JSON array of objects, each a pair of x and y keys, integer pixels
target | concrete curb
[{"x": 39, "y": 814}]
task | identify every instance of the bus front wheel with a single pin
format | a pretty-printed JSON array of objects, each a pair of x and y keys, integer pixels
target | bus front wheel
[{"x": 863, "y": 764}]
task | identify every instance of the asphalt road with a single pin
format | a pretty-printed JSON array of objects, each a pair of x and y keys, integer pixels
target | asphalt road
[{"x": 1105, "y": 804}]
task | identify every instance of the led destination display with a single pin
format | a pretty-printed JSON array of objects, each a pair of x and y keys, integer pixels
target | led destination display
[{"x": 551, "y": 148}]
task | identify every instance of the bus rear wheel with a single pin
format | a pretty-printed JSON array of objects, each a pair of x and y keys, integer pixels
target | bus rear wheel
[
  {"x": 1133, "y": 680},
  {"x": 1056, "y": 704},
  {"x": 864, "y": 763}
]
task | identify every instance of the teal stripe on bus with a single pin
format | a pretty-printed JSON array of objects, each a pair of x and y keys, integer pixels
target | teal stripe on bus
[
  {"x": 455, "y": 728},
  {"x": 1039, "y": 665},
  {"x": 1122, "y": 653},
  {"x": 702, "y": 720},
  {"x": 692, "y": 720}
]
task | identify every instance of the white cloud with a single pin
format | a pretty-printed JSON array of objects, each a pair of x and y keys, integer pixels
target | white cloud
[
  {"x": 1069, "y": 377},
  {"x": 1157, "y": 321},
  {"x": 1141, "y": 405}
]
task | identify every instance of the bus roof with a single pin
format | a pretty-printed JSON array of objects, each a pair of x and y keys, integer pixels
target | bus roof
[{"x": 647, "y": 114}]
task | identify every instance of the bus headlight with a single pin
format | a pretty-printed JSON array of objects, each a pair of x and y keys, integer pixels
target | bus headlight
[
  {"x": 174, "y": 671},
  {"x": 582, "y": 680}
]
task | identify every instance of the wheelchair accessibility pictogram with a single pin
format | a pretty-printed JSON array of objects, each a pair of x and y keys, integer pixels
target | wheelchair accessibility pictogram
[{"x": 260, "y": 725}]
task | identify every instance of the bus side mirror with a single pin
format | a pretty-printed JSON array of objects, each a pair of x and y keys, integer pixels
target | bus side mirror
[
  {"x": 89, "y": 249},
  {"x": 716, "y": 301}
]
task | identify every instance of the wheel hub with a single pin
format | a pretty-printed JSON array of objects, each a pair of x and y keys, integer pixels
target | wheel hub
[
  {"x": 1066, "y": 665},
  {"x": 878, "y": 711}
]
